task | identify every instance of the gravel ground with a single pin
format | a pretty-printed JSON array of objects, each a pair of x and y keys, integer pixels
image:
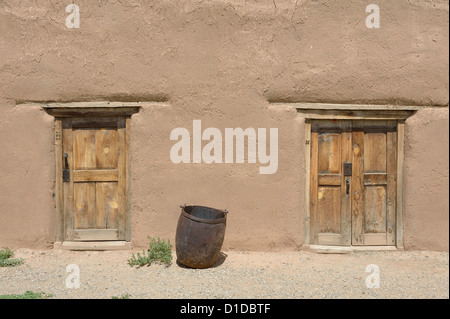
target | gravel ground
[{"x": 272, "y": 275}]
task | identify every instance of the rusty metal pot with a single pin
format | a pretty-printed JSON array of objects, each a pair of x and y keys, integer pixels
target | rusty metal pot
[{"x": 200, "y": 234}]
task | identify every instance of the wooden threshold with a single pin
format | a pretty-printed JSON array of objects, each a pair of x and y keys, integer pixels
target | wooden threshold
[
  {"x": 93, "y": 245},
  {"x": 323, "y": 249}
]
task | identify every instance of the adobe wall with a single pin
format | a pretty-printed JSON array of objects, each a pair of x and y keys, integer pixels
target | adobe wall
[{"x": 220, "y": 62}]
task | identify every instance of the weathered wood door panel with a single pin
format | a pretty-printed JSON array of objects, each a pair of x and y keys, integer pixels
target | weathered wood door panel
[
  {"x": 380, "y": 164},
  {"x": 95, "y": 196},
  {"x": 355, "y": 207},
  {"x": 331, "y": 148}
]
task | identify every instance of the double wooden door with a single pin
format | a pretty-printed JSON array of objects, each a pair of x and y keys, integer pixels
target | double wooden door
[
  {"x": 94, "y": 178},
  {"x": 353, "y": 182}
]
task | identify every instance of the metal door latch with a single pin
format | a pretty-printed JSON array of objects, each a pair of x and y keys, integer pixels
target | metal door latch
[
  {"x": 348, "y": 169},
  {"x": 66, "y": 171}
]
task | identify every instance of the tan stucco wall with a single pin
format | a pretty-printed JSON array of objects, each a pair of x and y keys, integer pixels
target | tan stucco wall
[
  {"x": 220, "y": 62},
  {"x": 27, "y": 216},
  {"x": 426, "y": 180}
]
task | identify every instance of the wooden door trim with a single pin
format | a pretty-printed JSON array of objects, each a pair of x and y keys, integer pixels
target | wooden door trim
[
  {"x": 67, "y": 192},
  {"x": 92, "y": 109},
  {"x": 400, "y": 159},
  {"x": 90, "y": 114},
  {"x": 58, "y": 182},
  {"x": 328, "y": 111},
  {"x": 397, "y": 117}
]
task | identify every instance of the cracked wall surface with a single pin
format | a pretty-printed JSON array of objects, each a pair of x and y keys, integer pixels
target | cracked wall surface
[{"x": 223, "y": 62}]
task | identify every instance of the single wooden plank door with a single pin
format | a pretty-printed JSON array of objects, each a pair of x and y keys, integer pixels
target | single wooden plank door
[
  {"x": 94, "y": 195},
  {"x": 353, "y": 183}
]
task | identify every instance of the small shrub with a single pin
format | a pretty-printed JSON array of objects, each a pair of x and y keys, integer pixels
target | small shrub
[
  {"x": 6, "y": 253},
  {"x": 124, "y": 296},
  {"x": 6, "y": 259},
  {"x": 27, "y": 295},
  {"x": 158, "y": 251}
]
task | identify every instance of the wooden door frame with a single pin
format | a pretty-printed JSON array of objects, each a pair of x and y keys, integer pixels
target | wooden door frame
[
  {"x": 89, "y": 110},
  {"x": 354, "y": 112}
]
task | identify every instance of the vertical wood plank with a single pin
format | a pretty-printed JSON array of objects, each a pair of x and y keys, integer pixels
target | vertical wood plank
[
  {"x": 106, "y": 148},
  {"x": 329, "y": 209},
  {"x": 67, "y": 135},
  {"x": 357, "y": 182},
  {"x": 329, "y": 153},
  {"x": 346, "y": 217},
  {"x": 391, "y": 188},
  {"x": 84, "y": 205},
  {"x": 122, "y": 183},
  {"x": 400, "y": 155},
  {"x": 128, "y": 178},
  {"x": 106, "y": 204},
  {"x": 314, "y": 186},
  {"x": 307, "y": 171},
  {"x": 59, "y": 204},
  {"x": 102, "y": 197},
  {"x": 375, "y": 152},
  {"x": 84, "y": 149},
  {"x": 375, "y": 209}
]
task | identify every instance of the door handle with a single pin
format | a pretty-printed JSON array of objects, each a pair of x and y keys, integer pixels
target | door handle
[
  {"x": 347, "y": 183},
  {"x": 66, "y": 171}
]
